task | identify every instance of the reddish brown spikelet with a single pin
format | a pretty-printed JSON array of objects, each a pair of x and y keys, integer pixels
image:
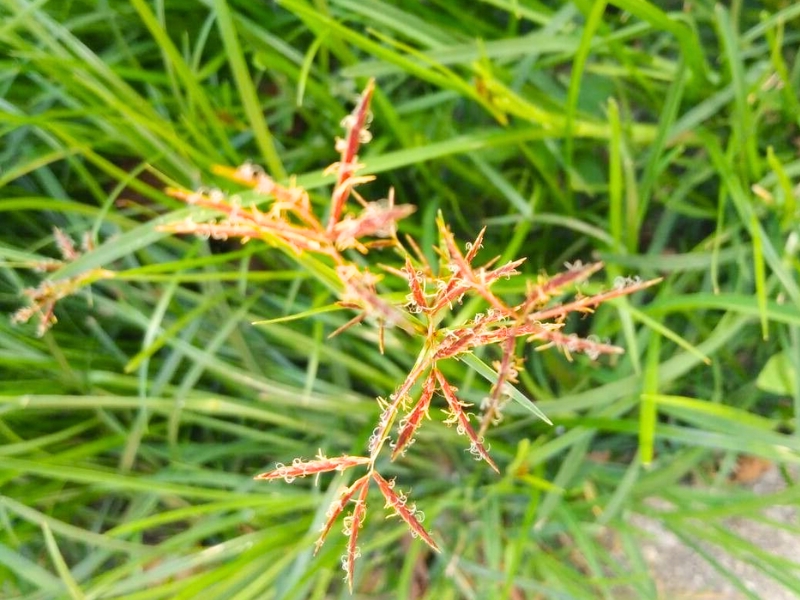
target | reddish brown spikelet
[
  {"x": 472, "y": 249},
  {"x": 354, "y": 523},
  {"x": 417, "y": 297},
  {"x": 459, "y": 263},
  {"x": 457, "y": 409},
  {"x": 381, "y": 432},
  {"x": 301, "y": 468},
  {"x": 355, "y": 125},
  {"x": 506, "y": 373},
  {"x": 460, "y": 340},
  {"x": 507, "y": 270},
  {"x": 586, "y": 304},
  {"x": 377, "y": 219},
  {"x": 575, "y": 272},
  {"x": 397, "y": 399},
  {"x": 572, "y": 343},
  {"x": 400, "y": 505},
  {"x": 452, "y": 292},
  {"x": 337, "y": 507},
  {"x": 412, "y": 377},
  {"x": 414, "y": 418}
]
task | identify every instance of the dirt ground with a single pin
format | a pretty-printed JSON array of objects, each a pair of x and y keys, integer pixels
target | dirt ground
[{"x": 682, "y": 574}]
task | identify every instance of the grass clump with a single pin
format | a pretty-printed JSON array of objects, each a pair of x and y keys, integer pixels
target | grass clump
[{"x": 658, "y": 143}]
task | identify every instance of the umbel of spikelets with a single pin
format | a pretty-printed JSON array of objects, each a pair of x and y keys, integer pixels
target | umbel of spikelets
[{"x": 290, "y": 223}]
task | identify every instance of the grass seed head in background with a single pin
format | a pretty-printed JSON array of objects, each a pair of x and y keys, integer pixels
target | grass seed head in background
[
  {"x": 291, "y": 225},
  {"x": 43, "y": 298}
]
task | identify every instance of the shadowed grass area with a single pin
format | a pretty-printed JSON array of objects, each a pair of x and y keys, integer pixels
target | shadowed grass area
[{"x": 660, "y": 140}]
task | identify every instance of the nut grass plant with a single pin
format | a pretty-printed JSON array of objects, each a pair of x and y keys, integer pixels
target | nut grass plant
[
  {"x": 291, "y": 225},
  {"x": 655, "y": 137}
]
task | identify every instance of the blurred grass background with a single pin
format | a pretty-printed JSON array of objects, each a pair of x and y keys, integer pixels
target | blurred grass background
[{"x": 661, "y": 138}]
